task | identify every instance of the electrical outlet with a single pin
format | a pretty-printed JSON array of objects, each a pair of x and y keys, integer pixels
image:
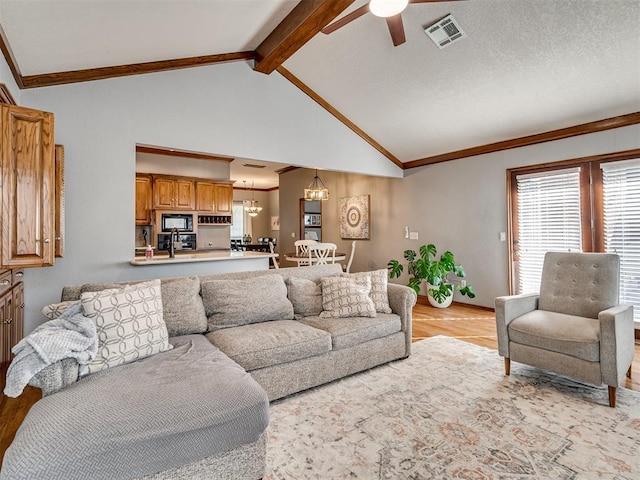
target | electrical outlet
[{"x": 413, "y": 235}]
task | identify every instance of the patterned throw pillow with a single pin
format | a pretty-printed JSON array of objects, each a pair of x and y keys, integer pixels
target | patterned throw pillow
[
  {"x": 54, "y": 310},
  {"x": 378, "y": 292},
  {"x": 305, "y": 295},
  {"x": 346, "y": 297},
  {"x": 129, "y": 324}
]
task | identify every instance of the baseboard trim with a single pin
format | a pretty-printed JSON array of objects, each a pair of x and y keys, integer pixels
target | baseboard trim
[{"x": 423, "y": 300}]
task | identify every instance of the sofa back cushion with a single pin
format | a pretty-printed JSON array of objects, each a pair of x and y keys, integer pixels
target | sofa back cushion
[
  {"x": 128, "y": 322},
  {"x": 232, "y": 303},
  {"x": 306, "y": 297},
  {"x": 181, "y": 303}
]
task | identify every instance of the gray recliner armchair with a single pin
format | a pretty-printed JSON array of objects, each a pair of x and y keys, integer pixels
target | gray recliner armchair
[{"x": 575, "y": 326}]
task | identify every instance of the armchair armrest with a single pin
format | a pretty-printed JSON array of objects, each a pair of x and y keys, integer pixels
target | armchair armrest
[
  {"x": 617, "y": 343},
  {"x": 56, "y": 376},
  {"x": 509, "y": 308},
  {"x": 401, "y": 300}
]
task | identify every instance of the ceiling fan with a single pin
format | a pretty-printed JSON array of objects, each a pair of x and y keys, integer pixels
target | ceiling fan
[{"x": 388, "y": 9}]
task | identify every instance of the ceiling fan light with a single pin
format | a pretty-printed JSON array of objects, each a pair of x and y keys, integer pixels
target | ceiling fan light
[{"x": 387, "y": 8}]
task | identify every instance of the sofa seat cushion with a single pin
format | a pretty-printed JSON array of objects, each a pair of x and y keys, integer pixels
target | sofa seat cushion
[
  {"x": 137, "y": 419},
  {"x": 575, "y": 336},
  {"x": 347, "y": 332},
  {"x": 261, "y": 345}
]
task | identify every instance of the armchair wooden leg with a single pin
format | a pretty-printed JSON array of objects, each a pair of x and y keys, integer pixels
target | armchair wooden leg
[
  {"x": 612, "y": 396},
  {"x": 629, "y": 371},
  {"x": 507, "y": 366}
]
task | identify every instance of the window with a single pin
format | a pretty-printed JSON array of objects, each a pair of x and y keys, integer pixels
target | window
[
  {"x": 621, "y": 218},
  {"x": 589, "y": 204},
  {"x": 237, "y": 229},
  {"x": 548, "y": 220}
]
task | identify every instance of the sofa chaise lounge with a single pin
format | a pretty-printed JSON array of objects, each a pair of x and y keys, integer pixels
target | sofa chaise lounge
[{"x": 200, "y": 409}]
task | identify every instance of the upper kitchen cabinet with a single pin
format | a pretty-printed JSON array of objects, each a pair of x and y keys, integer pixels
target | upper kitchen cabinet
[
  {"x": 205, "y": 197},
  {"x": 171, "y": 193},
  {"x": 28, "y": 187},
  {"x": 144, "y": 199},
  {"x": 223, "y": 198}
]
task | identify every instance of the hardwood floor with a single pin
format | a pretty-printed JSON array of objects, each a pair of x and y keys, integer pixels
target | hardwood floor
[{"x": 470, "y": 324}]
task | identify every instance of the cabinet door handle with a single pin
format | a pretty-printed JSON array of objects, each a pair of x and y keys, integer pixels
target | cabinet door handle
[
  {"x": 58, "y": 239},
  {"x": 8, "y": 322},
  {"x": 46, "y": 240},
  {"x": 4, "y": 283},
  {"x": 19, "y": 274},
  {"x": 22, "y": 305}
]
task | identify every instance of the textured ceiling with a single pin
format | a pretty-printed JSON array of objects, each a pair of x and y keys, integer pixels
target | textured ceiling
[{"x": 525, "y": 66}]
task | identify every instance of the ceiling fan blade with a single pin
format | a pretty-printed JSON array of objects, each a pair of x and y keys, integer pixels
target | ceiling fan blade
[
  {"x": 357, "y": 13},
  {"x": 396, "y": 29}
]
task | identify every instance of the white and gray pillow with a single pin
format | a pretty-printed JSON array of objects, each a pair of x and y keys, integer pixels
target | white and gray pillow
[
  {"x": 231, "y": 303},
  {"x": 344, "y": 297},
  {"x": 379, "y": 295},
  {"x": 129, "y": 324},
  {"x": 54, "y": 310},
  {"x": 306, "y": 297}
]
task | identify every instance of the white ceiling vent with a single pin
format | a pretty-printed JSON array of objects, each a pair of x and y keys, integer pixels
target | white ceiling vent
[{"x": 444, "y": 32}]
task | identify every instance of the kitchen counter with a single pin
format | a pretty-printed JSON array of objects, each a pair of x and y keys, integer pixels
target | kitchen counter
[{"x": 202, "y": 256}]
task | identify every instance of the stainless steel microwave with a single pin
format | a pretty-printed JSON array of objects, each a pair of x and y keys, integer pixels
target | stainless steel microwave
[{"x": 182, "y": 221}]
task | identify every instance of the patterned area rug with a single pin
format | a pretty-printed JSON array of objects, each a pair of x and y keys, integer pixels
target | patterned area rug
[{"x": 448, "y": 411}]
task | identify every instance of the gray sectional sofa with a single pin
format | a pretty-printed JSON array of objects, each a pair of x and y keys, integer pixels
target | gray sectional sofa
[{"x": 200, "y": 409}]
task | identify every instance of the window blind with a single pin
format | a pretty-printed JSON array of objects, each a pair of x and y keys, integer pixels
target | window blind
[
  {"x": 548, "y": 220},
  {"x": 621, "y": 207}
]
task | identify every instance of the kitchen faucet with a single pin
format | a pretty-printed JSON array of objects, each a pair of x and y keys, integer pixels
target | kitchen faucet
[{"x": 172, "y": 247}]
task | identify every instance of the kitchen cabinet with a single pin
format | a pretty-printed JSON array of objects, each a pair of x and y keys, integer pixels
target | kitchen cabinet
[
  {"x": 205, "y": 196},
  {"x": 11, "y": 315},
  {"x": 59, "y": 220},
  {"x": 28, "y": 193},
  {"x": 144, "y": 199},
  {"x": 173, "y": 193},
  {"x": 223, "y": 198}
]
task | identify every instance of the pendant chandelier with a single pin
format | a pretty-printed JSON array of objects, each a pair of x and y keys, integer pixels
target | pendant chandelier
[
  {"x": 316, "y": 190},
  {"x": 251, "y": 206}
]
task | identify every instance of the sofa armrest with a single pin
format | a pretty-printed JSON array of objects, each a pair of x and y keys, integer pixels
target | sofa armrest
[
  {"x": 401, "y": 300},
  {"x": 56, "y": 376},
  {"x": 617, "y": 343},
  {"x": 509, "y": 308}
]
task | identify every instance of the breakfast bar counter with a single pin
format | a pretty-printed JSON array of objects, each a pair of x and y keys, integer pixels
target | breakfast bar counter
[{"x": 204, "y": 256}]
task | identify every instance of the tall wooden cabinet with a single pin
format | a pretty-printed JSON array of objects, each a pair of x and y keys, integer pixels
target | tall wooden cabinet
[
  {"x": 28, "y": 187},
  {"x": 144, "y": 199},
  {"x": 11, "y": 316}
]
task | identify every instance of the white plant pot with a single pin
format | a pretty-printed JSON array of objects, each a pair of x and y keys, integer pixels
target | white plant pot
[{"x": 432, "y": 301}]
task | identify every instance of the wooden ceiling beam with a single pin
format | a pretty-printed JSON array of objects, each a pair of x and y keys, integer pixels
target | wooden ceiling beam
[
  {"x": 90, "y": 74},
  {"x": 297, "y": 28},
  {"x": 582, "y": 129}
]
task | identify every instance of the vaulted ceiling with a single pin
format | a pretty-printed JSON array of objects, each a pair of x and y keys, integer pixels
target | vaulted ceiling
[{"x": 525, "y": 67}]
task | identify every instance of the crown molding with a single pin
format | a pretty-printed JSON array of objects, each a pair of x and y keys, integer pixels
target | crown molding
[
  {"x": 582, "y": 129},
  {"x": 10, "y": 59},
  {"x": 173, "y": 152},
  {"x": 5, "y": 95}
]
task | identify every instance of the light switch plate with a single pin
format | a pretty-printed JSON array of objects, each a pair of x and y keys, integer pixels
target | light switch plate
[{"x": 413, "y": 235}]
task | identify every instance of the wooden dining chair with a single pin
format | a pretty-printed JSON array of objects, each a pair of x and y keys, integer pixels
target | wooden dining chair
[
  {"x": 353, "y": 250},
  {"x": 322, "y": 253},
  {"x": 302, "y": 251},
  {"x": 273, "y": 259}
]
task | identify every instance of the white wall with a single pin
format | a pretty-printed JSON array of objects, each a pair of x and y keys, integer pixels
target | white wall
[
  {"x": 459, "y": 206},
  {"x": 7, "y": 78},
  {"x": 182, "y": 166},
  {"x": 225, "y": 109}
]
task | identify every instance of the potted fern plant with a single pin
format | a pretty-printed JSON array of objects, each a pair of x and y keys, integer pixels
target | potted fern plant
[{"x": 426, "y": 266}]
